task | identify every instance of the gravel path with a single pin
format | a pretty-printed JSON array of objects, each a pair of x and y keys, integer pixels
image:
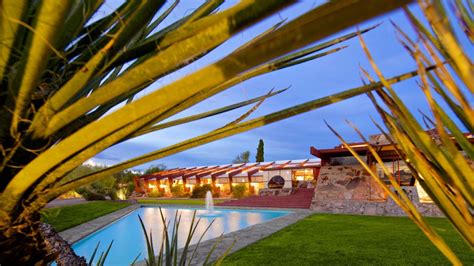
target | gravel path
[{"x": 65, "y": 202}]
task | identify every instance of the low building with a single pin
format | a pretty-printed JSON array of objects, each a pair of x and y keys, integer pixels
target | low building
[
  {"x": 341, "y": 184},
  {"x": 223, "y": 177}
]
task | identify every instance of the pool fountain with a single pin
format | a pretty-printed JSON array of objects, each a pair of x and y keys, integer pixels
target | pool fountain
[
  {"x": 209, "y": 212},
  {"x": 209, "y": 203}
]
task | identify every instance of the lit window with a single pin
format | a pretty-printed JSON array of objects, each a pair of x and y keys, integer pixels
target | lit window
[{"x": 303, "y": 175}]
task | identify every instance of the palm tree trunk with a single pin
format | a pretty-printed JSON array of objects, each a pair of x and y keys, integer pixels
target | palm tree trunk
[
  {"x": 31, "y": 242},
  {"x": 56, "y": 245},
  {"x": 21, "y": 243}
]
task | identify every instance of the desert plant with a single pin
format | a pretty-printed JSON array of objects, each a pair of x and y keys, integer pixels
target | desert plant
[
  {"x": 99, "y": 190},
  {"x": 239, "y": 191},
  {"x": 130, "y": 189},
  {"x": 156, "y": 194},
  {"x": 168, "y": 253},
  {"x": 439, "y": 156},
  {"x": 90, "y": 194},
  {"x": 216, "y": 192},
  {"x": 103, "y": 255},
  {"x": 177, "y": 191},
  {"x": 69, "y": 85},
  {"x": 199, "y": 191}
]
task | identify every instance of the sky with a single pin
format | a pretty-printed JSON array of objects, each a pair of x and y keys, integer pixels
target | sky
[{"x": 293, "y": 137}]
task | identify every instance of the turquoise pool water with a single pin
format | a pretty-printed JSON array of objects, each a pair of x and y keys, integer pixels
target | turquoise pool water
[{"x": 129, "y": 240}]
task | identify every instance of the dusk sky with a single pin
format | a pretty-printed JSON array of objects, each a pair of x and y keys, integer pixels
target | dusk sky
[{"x": 291, "y": 138}]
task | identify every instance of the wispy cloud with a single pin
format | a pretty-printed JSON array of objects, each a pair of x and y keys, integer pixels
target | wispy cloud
[{"x": 289, "y": 139}]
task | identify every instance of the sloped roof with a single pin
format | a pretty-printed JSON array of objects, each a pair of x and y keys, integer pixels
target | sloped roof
[{"x": 231, "y": 170}]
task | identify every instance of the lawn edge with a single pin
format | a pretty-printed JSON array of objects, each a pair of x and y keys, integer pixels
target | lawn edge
[{"x": 83, "y": 230}]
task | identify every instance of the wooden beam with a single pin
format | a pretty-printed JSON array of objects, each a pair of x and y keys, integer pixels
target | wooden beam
[
  {"x": 210, "y": 171},
  {"x": 193, "y": 172},
  {"x": 315, "y": 152},
  {"x": 170, "y": 183},
  {"x": 225, "y": 170},
  {"x": 260, "y": 168},
  {"x": 240, "y": 170},
  {"x": 303, "y": 163}
]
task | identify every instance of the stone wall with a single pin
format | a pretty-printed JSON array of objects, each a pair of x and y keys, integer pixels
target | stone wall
[
  {"x": 388, "y": 207},
  {"x": 347, "y": 182},
  {"x": 275, "y": 192}
]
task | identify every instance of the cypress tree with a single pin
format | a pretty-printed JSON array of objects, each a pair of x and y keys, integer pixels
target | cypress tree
[{"x": 259, "y": 157}]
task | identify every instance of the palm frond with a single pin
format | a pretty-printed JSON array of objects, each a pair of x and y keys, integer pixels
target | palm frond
[
  {"x": 69, "y": 84},
  {"x": 440, "y": 156}
]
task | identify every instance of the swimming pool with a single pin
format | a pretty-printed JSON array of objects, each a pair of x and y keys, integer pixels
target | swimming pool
[{"x": 129, "y": 240}]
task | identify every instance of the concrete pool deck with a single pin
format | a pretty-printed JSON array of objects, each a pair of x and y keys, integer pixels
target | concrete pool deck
[
  {"x": 242, "y": 237},
  {"x": 78, "y": 232}
]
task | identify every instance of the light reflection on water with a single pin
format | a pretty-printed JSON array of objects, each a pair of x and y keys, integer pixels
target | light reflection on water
[{"x": 129, "y": 240}]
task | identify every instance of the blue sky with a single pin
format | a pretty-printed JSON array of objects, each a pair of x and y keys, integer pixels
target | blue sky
[{"x": 291, "y": 138}]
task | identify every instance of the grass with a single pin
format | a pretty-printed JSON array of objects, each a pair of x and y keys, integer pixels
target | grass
[
  {"x": 329, "y": 239},
  {"x": 62, "y": 218},
  {"x": 201, "y": 202}
]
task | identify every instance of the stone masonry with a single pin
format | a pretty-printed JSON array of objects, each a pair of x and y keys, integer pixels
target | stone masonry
[
  {"x": 347, "y": 182},
  {"x": 349, "y": 189}
]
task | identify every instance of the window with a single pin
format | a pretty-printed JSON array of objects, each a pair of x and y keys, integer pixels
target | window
[
  {"x": 224, "y": 180},
  {"x": 177, "y": 181},
  {"x": 400, "y": 172},
  {"x": 240, "y": 180},
  {"x": 303, "y": 174},
  {"x": 205, "y": 181},
  {"x": 347, "y": 160}
]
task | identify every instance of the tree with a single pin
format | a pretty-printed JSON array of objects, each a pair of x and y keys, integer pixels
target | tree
[
  {"x": 69, "y": 81},
  {"x": 244, "y": 157},
  {"x": 155, "y": 168},
  {"x": 107, "y": 186},
  {"x": 259, "y": 157},
  {"x": 124, "y": 177}
]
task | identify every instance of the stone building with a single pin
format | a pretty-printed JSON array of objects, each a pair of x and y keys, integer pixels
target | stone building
[{"x": 340, "y": 183}]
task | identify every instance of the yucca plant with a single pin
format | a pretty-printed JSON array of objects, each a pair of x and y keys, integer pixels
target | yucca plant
[
  {"x": 103, "y": 255},
  {"x": 68, "y": 86},
  {"x": 169, "y": 254},
  {"x": 436, "y": 150}
]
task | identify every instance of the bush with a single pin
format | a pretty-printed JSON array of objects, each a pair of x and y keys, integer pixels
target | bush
[
  {"x": 178, "y": 191},
  {"x": 89, "y": 194},
  {"x": 216, "y": 193},
  {"x": 131, "y": 187},
  {"x": 200, "y": 191},
  {"x": 239, "y": 191},
  {"x": 155, "y": 194}
]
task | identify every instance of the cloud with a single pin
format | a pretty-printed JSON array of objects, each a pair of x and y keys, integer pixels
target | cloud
[{"x": 291, "y": 138}]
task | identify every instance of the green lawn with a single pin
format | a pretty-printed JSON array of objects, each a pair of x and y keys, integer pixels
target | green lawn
[
  {"x": 325, "y": 239},
  {"x": 201, "y": 202},
  {"x": 62, "y": 218}
]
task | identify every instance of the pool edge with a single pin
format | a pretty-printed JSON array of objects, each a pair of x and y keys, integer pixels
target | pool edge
[
  {"x": 245, "y": 236},
  {"x": 78, "y": 232}
]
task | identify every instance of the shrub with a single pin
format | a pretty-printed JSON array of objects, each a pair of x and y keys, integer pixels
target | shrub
[
  {"x": 177, "y": 191},
  {"x": 130, "y": 189},
  {"x": 239, "y": 191},
  {"x": 200, "y": 191},
  {"x": 216, "y": 193},
  {"x": 89, "y": 194},
  {"x": 155, "y": 194}
]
